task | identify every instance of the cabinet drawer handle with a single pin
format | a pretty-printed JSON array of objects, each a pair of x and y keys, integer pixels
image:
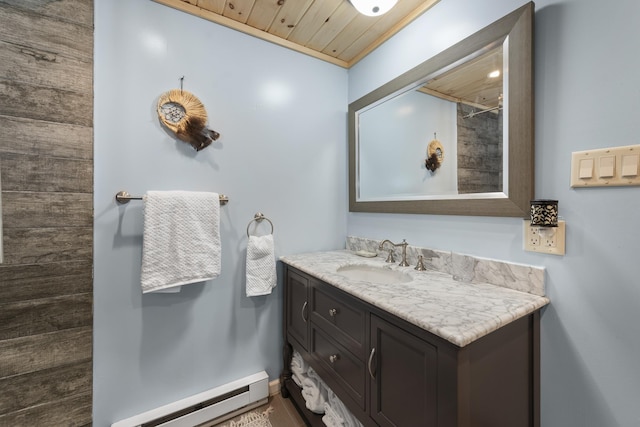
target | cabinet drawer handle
[
  {"x": 333, "y": 312},
  {"x": 334, "y": 358},
  {"x": 304, "y": 308},
  {"x": 373, "y": 352}
]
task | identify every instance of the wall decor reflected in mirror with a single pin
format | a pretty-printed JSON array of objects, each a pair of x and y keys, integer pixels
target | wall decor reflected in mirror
[{"x": 473, "y": 101}]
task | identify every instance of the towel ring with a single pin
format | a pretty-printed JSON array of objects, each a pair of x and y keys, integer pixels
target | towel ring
[{"x": 258, "y": 217}]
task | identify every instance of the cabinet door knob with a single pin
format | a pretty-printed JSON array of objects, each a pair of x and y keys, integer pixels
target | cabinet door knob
[
  {"x": 371, "y": 373},
  {"x": 334, "y": 358},
  {"x": 304, "y": 308},
  {"x": 333, "y": 312}
]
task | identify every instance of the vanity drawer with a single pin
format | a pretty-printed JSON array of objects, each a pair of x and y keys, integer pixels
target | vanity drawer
[
  {"x": 343, "y": 367},
  {"x": 345, "y": 322}
]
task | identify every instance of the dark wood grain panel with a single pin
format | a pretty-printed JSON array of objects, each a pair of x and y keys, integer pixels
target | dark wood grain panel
[
  {"x": 75, "y": 411},
  {"x": 24, "y": 318},
  {"x": 77, "y": 11},
  {"x": 45, "y": 174},
  {"x": 46, "y": 152},
  {"x": 36, "y": 210},
  {"x": 25, "y": 274},
  {"x": 23, "y": 391},
  {"x": 44, "y": 68},
  {"x": 44, "y": 103},
  {"x": 27, "y": 28},
  {"x": 37, "y": 137},
  {"x": 27, "y": 282},
  {"x": 43, "y": 245},
  {"x": 45, "y": 351}
]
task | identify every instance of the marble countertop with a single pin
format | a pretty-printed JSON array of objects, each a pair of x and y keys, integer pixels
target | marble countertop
[{"x": 455, "y": 311}]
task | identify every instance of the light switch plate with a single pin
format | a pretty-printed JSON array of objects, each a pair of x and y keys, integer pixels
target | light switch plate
[
  {"x": 545, "y": 240},
  {"x": 606, "y": 167}
]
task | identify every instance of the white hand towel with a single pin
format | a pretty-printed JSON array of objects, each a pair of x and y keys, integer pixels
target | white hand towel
[
  {"x": 261, "y": 265},
  {"x": 181, "y": 240}
]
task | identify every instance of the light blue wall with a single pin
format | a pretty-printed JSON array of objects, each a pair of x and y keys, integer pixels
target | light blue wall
[
  {"x": 282, "y": 117},
  {"x": 586, "y": 97},
  {"x": 389, "y": 164}
]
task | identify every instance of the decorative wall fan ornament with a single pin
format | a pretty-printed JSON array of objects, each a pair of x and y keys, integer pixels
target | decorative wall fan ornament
[
  {"x": 435, "y": 155},
  {"x": 183, "y": 114}
]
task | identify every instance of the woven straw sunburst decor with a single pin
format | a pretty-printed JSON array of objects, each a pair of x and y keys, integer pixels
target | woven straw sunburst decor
[
  {"x": 182, "y": 113},
  {"x": 435, "y": 155},
  {"x": 435, "y": 147}
]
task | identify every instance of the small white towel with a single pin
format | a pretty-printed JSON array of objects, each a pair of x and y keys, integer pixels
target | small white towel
[
  {"x": 181, "y": 240},
  {"x": 261, "y": 265}
]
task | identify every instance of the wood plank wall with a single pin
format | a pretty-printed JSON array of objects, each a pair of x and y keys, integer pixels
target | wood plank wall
[
  {"x": 46, "y": 164},
  {"x": 479, "y": 151}
]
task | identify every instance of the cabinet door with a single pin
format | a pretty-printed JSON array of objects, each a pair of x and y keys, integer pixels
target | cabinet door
[
  {"x": 297, "y": 308},
  {"x": 403, "y": 377}
]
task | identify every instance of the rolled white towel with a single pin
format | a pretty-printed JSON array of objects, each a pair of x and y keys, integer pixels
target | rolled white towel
[
  {"x": 298, "y": 363},
  {"x": 330, "y": 418},
  {"x": 341, "y": 411},
  {"x": 298, "y": 378},
  {"x": 298, "y": 368},
  {"x": 314, "y": 392}
]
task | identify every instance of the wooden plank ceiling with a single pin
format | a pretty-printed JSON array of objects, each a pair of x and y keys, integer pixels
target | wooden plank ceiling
[
  {"x": 471, "y": 83},
  {"x": 331, "y": 30}
]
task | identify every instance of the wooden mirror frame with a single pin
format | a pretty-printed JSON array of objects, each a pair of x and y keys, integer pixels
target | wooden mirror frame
[{"x": 518, "y": 27}]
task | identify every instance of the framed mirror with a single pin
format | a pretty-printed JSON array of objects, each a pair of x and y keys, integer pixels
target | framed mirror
[{"x": 454, "y": 135}]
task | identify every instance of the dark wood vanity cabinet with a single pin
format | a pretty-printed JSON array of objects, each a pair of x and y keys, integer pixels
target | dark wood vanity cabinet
[
  {"x": 389, "y": 372},
  {"x": 404, "y": 377},
  {"x": 296, "y": 308}
]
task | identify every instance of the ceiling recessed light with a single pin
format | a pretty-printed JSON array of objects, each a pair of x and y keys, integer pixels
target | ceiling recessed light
[{"x": 494, "y": 74}]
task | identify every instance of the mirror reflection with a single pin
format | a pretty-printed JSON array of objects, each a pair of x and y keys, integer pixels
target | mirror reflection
[
  {"x": 453, "y": 135},
  {"x": 402, "y": 140}
]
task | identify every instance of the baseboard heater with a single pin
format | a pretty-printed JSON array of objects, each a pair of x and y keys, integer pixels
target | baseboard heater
[{"x": 245, "y": 393}]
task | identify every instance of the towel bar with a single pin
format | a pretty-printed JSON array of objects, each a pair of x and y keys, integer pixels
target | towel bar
[{"x": 122, "y": 197}]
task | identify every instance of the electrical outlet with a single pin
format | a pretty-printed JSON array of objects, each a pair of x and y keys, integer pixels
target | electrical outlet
[
  {"x": 546, "y": 240},
  {"x": 534, "y": 237},
  {"x": 548, "y": 237}
]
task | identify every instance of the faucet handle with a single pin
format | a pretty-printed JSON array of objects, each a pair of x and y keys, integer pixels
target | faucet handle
[
  {"x": 420, "y": 266},
  {"x": 404, "y": 245},
  {"x": 390, "y": 258}
]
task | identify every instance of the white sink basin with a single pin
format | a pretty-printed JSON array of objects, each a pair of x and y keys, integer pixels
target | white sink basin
[{"x": 373, "y": 274}]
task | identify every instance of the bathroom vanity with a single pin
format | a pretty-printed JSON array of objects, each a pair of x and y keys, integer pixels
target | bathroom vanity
[{"x": 410, "y": 348}]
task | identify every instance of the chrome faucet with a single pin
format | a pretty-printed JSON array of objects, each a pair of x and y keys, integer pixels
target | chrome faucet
[{"x": 390, "y": 258}]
